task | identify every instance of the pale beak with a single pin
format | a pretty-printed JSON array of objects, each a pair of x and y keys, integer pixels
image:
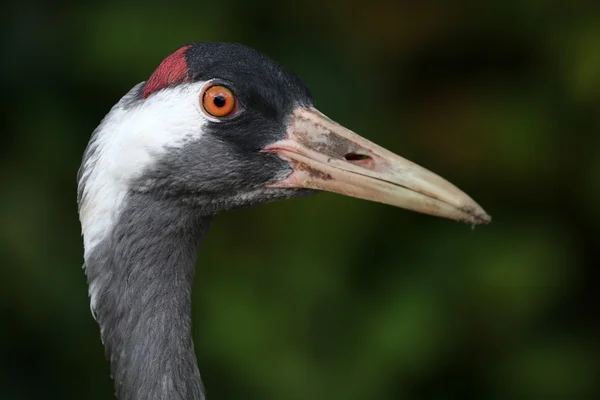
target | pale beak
[{"x": 326, "y": 156}]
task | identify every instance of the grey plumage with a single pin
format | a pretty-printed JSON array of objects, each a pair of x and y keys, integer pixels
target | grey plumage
[{"x": 143, "y": 274}]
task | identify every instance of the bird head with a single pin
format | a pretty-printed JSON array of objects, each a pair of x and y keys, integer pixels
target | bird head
[{"x": 218, "y": 126}]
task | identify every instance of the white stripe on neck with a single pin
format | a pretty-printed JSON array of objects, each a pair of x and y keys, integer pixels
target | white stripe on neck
[{"x": 129, "y": 140}]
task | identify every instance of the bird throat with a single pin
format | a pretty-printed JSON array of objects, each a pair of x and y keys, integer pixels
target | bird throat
[{"x": 140, "y": 280}]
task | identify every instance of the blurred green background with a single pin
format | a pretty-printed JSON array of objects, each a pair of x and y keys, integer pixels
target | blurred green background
[{"x": 328, "y": 297}]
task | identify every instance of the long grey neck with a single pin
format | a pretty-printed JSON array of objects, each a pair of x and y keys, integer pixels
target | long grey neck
[{"x": 141, "y": 283}]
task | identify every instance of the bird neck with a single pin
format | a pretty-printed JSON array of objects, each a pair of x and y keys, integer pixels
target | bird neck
[{"x": 140, "y": 280}]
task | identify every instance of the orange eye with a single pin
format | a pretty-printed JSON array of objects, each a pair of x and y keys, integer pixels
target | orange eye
[{"x": 219, "y": 101}]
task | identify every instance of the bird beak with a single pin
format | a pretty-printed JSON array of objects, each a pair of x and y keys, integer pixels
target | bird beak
[{"x": 326, "y": 156}]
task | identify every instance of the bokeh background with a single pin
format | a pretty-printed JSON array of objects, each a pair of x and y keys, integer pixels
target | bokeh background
[{"x": 329, "y": 297}]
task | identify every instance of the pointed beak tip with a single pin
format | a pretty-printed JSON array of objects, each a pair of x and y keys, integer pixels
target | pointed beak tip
[{"x": 475, "y": 216}]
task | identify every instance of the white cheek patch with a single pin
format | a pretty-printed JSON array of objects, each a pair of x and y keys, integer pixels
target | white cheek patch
[{"x": 129, "y": 140}]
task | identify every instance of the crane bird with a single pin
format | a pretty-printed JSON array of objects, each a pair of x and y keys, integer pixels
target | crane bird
[{"x": 216, "y": 126}]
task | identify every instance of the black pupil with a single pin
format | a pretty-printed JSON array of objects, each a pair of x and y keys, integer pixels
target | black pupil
[{"x": 220, "y": 100}]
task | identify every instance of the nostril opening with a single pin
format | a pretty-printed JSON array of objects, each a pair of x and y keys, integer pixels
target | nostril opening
[{"x": 356, "y": 157}]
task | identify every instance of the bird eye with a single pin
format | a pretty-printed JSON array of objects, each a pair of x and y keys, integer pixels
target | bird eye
[{"x": 219, "y": 101}]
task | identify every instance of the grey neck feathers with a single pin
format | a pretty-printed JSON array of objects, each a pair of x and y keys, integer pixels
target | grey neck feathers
[{"x": 141, "y": 282}]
